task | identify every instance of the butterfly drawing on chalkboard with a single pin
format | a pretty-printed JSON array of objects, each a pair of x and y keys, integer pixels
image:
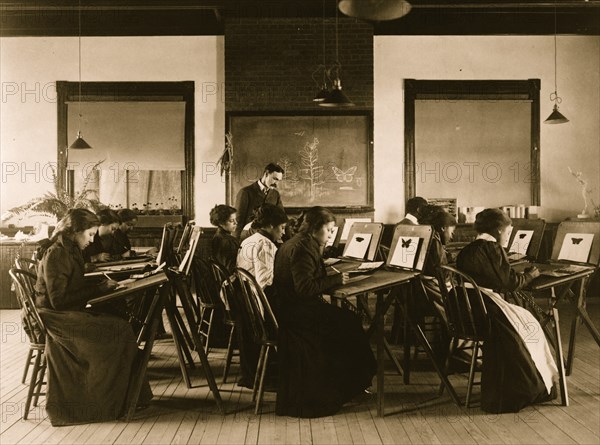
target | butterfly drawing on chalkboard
[
  {"x": 576, "y": 240},
  {"x": 344, "y": 176},
  {"x": 406, "y": 242},
  {"x": 299, "y": 133},
  {"x": 522, "y": 235}
]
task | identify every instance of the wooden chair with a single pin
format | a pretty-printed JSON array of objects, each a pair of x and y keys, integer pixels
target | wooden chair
[
  {"x": 36, "y": 332},
  {"x": 226, "y": 293},
  {"x": 467, "y": 319},
  {"x": 207, "y": 298},
  {"x": 27, "y": 264},
  {"x": 263, "y": 325}
]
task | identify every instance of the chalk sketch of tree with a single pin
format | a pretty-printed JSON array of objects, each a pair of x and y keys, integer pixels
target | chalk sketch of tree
[
  {"x": 311, "y": 171},
  {"x": 286, "y": 181}
]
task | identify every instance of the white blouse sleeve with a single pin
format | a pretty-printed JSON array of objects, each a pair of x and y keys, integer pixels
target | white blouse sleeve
[{"x": 263, "y": 263}]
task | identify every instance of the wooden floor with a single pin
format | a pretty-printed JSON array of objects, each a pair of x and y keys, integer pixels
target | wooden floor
[{"x": 413, "y": 414}]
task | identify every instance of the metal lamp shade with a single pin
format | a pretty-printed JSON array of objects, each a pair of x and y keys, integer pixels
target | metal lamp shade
[
  {"x": 337, "y": 98},
  {"x": 80, "y": 143},
  {"x": 556, "y": 117},
  {"x": 375, "y": 10}
]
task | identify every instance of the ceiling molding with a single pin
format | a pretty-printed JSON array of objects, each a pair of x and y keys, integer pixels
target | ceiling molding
[{"x": 207, "y": 17}]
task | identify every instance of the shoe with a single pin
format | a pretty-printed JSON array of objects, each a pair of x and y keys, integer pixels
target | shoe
[{"x": 163, "y": 336}]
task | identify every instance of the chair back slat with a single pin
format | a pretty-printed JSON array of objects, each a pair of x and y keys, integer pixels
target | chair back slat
[
  {"x": 34, "y": 326},
  {"x": 27, "y": 264},
  {"x": 226, "y": 288},
  {"x": 206, "y": 288},
  {"x": 256, "y": 307},
  {"x": 465, "y": 310}
]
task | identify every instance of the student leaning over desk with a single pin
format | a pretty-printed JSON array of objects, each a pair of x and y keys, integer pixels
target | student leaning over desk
[
  {"x": 90, "y": 355},
  {"x": 324, "y": 354},
  {"x": 518, "y": 366}
]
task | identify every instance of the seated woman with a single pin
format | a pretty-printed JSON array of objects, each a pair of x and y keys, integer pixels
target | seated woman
[
  {"x": 443, "y": 225},
  {"x": 257, "y": 255},
  {"x": 257, "y": 252},
  {"x": 518, "y": 366},
  {"x": 102, "y": 246},
  {"x": 324, "y": 354},
  {"x": 224, "y": 246},
  {"x": 121, "y": 245},
  {"x": 90, "y": 355}
]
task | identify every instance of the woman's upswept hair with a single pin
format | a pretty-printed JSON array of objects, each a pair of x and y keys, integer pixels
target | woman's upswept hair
[
  {"x": 108, "y": 216},
  {"x": 220, "y": 213},
  {"x": 491, "y": 221},
  {"x": 268, "y": 215},
  {"x": 315, "y": 218},
  {"x": 126, "y": 215},
  {"x": 437, "y": 217},
  {"x": 76, "y": 220}
]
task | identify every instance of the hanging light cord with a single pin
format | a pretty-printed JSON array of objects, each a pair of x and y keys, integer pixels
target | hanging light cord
[
  {"x": 79, "y": 45},
  {"x": 554, "y": 96},
  {"x": 337, "y": 55}
]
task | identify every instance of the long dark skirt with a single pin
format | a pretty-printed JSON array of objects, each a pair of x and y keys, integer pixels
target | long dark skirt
[
  {"x": 324, "y": 360},
  {"x": 90, "y": 358},
  {"x": 510, "y": 380}
]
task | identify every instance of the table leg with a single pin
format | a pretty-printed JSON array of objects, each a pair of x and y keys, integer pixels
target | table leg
[
  {"x": 210, "y": 378},
  {"x": 379, "y": 313},
  {"x": 564, "y": 394},
  {"x": 582, "y": 315},
  {"x": 406, "y": 345},
  {"x": 138, "y": 376},
  {"x": 427, "y": 347}
]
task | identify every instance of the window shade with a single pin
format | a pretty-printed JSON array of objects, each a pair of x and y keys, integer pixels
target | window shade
[{"x": 129, "y": 135}]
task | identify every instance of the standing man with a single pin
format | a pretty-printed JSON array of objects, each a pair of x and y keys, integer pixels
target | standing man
[
  {"x": 254, "y": 195},
  {"x": 414, "y": 210}
]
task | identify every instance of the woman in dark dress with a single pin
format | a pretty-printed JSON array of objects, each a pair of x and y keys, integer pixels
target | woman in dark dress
[
  {"x": 90, "y": 355},
  {"x": 443, "y": 225},
  {"x": 324, "y": 354},
  {"x": 101, "y": 249},
  {"x": 224, "y": 246},
  {"x": 518, "y": 366}
]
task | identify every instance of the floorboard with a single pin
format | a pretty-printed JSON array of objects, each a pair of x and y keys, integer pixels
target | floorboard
[{"x": 414, "y": 413}]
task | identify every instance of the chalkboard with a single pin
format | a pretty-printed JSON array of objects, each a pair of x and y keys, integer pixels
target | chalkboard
[{"x": 326, "y": 158}]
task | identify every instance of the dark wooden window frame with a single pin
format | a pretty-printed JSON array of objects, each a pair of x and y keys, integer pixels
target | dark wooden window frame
[
  {"x": 474, "y": 90},
  {"x": 368, "y": 208},
  {"x": 131, "y": 92}
]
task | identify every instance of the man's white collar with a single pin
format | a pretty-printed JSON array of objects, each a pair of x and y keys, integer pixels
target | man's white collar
[{"x": 412, "y": 217}]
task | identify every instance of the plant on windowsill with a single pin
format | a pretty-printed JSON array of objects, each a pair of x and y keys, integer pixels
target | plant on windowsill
[
  {"x": 157, "y": 214},
  {"x": 57, "y": 203}
]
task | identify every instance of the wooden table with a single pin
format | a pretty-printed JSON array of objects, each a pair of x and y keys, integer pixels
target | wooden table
[
  {"x": 157, "y": 287},
  {"x": 379, "y": 282},
  {"x": 551, "y": 283}
]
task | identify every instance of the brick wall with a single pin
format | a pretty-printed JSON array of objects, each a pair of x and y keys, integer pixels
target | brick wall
[{"x": 269, "y": 62}]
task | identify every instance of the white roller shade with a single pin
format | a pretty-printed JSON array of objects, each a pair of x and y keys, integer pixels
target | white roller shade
[{"x": 129, "y": 135}]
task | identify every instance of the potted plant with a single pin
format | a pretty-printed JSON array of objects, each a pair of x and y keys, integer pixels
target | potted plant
[
  {"x": 157, "y": 214},
  {"x": 58, "y": 202}
]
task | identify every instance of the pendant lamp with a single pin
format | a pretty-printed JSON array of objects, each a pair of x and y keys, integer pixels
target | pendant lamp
[
  {"x": 79, "y": 143},
  {"x": 336, "y": 97},
  {"x": 556, "y": 117},
  {"x": 375, "y": 10},
  {"x": 322, "y": 91}
]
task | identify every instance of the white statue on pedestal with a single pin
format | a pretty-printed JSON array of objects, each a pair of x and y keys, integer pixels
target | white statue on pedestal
[{"x": 584, "y": 191}]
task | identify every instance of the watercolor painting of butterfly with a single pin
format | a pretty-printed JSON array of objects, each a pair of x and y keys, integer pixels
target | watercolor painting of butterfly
[{"x": 345, "y": 177}]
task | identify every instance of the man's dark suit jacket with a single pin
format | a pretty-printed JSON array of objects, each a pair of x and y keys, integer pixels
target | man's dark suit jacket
[{"x": 248, "y": 199}]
